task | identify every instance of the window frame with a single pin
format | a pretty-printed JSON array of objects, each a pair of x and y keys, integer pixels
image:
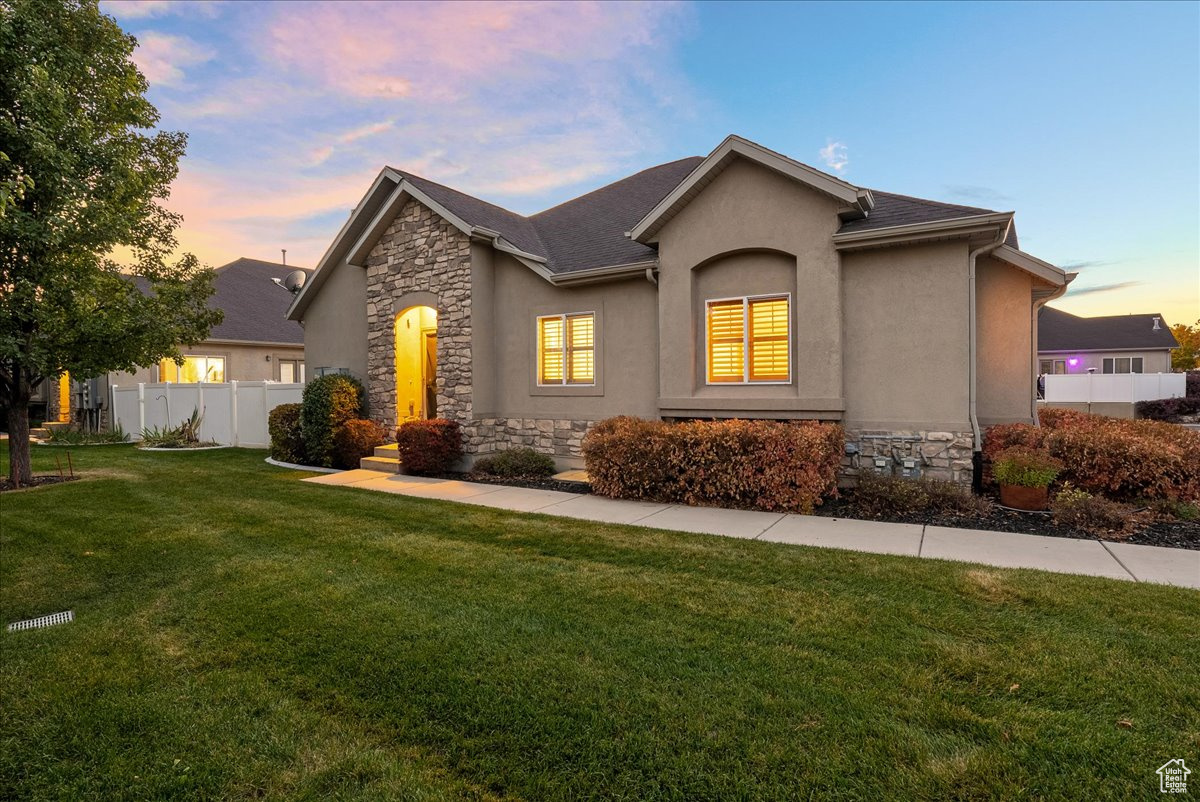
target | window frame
[
  {"x": 746, "y": 340},
  {"x": 1113, "y": 360},
  {"x": 566, "y": 349},
  {"x": 206, "y": 357}
]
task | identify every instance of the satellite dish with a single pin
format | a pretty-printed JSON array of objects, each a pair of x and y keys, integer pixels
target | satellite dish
[{"x": 294, "y": 282}]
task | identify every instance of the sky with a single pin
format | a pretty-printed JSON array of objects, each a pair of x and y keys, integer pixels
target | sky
[{"x": 1083, "y": 118}]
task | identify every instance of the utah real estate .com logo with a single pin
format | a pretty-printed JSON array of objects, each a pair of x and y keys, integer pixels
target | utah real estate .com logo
[{"x": 1172, "y": 777}]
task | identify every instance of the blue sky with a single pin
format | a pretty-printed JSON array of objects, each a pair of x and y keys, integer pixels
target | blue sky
[{"x": 1084, "y": 118}]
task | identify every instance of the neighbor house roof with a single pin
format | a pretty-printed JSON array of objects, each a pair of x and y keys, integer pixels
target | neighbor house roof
[
  {"x": 1062, "y": 331},
  {"x": 255, "y": 307}
]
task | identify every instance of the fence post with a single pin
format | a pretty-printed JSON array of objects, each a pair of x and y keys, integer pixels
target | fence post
[
  {"x": 141, "y": 407},
  {"x": 233, "y": 413}
]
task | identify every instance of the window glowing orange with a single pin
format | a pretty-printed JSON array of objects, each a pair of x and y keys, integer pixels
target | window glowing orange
[
  {"x": 749, "y": 340},
  {"x": 567, "y": 349}
]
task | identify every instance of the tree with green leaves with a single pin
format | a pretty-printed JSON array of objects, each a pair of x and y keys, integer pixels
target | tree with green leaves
[
  {"x": 74, "y": 118},
  {"x": 1187, "y": 355}
]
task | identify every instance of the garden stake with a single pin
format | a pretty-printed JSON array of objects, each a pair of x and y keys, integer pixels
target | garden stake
[
  {"x": 70, "y": 465},
  {"x": 58, "y": 462}
]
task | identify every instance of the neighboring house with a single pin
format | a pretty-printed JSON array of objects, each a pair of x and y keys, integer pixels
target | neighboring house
[
  {"x": 1111, "y": 344},
  {"x": 254, "y": 342},
  {"x": 743, "y": 284}
]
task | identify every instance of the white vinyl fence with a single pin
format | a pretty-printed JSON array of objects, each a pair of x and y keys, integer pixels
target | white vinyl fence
[
  {"x": 235, "y": 413},
  {"x": 1114, "y": 387}
]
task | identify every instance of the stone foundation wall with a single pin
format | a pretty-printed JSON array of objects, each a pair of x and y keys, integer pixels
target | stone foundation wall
[
  {"x": 936, "y": 455},
  {"x": 420, "y": 252},
  {"x": 559, "y": 437}
]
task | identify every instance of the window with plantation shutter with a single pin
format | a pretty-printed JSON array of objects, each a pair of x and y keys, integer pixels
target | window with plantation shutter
[
  {"x": 749, "y": 340},
  {"x": 567, "y": 349}
]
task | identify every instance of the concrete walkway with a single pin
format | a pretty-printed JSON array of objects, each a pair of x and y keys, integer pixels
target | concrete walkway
[{"x": 1179, "y": 567}]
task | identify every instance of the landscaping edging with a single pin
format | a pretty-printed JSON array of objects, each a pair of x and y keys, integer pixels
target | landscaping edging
[
  {"x": 297, "y": 467},
  {"x": 201, "y": 448}
]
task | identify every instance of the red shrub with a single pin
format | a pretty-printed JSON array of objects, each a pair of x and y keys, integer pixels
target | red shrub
[
  {"x": 428, "y": 446},
  {"x": 354, "y": 440},
  {"x": 746, "y": 464},
  {"x": 1121, "y": 459}
]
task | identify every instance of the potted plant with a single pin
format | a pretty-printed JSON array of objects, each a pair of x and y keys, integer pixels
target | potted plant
[{"x": 1024, "y": 476}]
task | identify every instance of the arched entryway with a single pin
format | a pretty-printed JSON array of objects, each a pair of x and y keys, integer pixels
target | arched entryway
[{"x": 416, "y": 363}]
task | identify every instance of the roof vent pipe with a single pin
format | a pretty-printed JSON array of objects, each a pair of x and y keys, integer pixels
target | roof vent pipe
[
  {"x": 284, "y": 250},
  {"x": 1157, "y": 322}
]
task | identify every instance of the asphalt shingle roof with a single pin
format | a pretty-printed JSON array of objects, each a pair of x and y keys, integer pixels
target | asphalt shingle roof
[
  {"x": 255, "y": 307},
  {"x": 1062, "y": 331},
  {"x": 589, "y": 231}
]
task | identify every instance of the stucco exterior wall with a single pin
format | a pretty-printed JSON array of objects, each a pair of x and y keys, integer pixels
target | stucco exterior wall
[
  {"x": 751, "y": 231},
  {"x": 1004, "y": 318},
  {"x": 906, "y": 347},
  {"x": 335, "y": 323},
  {"x": 626, "y": 340}
]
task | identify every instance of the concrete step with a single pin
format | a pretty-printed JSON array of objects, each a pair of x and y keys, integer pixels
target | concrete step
[
  {"x": 384, "y": 464},
  {"x": 40, "y": 433},
  {"x": 54, "y": 426},
  {"x": 390, "y": 451}
]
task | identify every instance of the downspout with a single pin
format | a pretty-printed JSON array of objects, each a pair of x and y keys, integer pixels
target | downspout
[
  {"x": 650, "y": 276},
  {"x": 973, "y": 348}
]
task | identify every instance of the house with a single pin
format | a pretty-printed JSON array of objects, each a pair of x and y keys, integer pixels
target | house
[
  {"x": 1111, "y": 344},
  {"x": 254, "y": 342},
  {"x": 742, "y": 284}
]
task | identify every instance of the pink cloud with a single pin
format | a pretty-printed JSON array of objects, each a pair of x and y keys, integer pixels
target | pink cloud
[{"x": 163, "y": 57}]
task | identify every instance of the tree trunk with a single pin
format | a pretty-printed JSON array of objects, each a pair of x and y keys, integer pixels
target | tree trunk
[{"x": 19, "y": 468}]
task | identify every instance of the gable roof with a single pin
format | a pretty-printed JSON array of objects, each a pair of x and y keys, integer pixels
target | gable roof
[
  {"x": 255, "y": 307},
  {"x": 1062, "y": 331},
  {"x": 609, "y": 231}
]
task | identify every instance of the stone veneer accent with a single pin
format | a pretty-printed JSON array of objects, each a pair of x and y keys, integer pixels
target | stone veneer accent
[
  {"x": 420, "y": 252},
  {"x": 940, "y": 455},
  {"x": 560, "y": 437}
]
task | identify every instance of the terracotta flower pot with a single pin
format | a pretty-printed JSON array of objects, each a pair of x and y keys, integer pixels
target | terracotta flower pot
[{"x": 1020, "y": 497}]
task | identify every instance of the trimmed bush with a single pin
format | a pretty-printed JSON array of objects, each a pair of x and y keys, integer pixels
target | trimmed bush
[
  {"x": 1192, "y": 384},
  {"x": 743, "y": 464},
  {"x": 1120, "y": 459},
  {"x": 1171, "y": 410},
  {"x": 881, "y": 496},
  {"x": 287, "y": 442},
  {"x": 428, "y": 446},
  {"x": 354, "y": 440},
  {"x": 1025, "y": 467},
  {"x": 1081, "y": 510},
  {"x": 329, "y": 401},
  {"x": 517, "y": 462}
]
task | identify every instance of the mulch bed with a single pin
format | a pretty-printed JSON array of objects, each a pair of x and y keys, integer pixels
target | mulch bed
[
  {"x": 533, "y": 483},
  {"x": 38, "y": 481},
  {"x": 1172, "y": 534}
]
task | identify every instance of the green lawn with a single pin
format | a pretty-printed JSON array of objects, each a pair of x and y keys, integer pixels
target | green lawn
[{"x": 242, "y": 635}]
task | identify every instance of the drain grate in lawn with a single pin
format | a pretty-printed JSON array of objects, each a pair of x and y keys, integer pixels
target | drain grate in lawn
[{"x": 42, "y": 622}]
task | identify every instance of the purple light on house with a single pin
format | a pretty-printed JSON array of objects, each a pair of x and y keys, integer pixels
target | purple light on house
[{"x": 1073, "y": 361}]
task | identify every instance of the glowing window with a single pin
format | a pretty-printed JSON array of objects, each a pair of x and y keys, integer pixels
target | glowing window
[
  {"x": 567, "y": 349},
  {"x": 194, "y": 369},
  {"x": 749, "y": 340}
]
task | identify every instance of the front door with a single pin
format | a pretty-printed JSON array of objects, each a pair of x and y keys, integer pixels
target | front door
[{"x": 429, "y": 372}]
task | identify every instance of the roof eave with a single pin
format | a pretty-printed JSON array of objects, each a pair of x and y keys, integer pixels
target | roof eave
[
  {"x": 320, "y": 273},
  {"x": 914, "y": 232},
  {"x": 1034, "y": 266}
]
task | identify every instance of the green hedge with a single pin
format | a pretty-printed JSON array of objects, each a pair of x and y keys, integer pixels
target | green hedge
[
  {"x": 329, "y": 401},
  {"x": 287, "y": 443},
  {"x": 516, "y": 462}
]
